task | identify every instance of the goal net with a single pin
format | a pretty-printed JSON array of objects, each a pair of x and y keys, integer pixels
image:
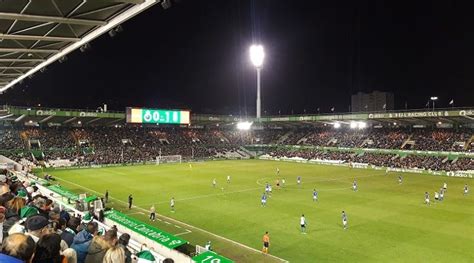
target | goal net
[{"x": 168, "y": 159}]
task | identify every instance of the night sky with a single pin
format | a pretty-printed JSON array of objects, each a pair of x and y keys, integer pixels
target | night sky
[{"x": 195, "y": 56}]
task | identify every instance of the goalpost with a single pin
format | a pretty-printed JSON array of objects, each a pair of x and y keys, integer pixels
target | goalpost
[{"x": 168, "y": 159}]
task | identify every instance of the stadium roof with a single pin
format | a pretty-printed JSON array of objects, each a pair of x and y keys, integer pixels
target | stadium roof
[
  {"x": 425, "y": 117},
  {"x": 36, "y": 33}
]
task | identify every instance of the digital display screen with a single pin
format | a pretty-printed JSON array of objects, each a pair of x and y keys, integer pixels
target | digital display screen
[{"x": 157, "y": 116}]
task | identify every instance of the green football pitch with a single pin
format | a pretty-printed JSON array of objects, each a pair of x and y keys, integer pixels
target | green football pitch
[{"x": 388, "y": 221}]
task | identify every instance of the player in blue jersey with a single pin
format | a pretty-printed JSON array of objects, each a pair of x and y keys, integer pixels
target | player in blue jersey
[
  {"x": 315, "y": 195},
  {"x": 466, "y": 189},
  {"x": 264, "y": 199},
  {"x": 298, "y": 180},
  {"x": 427, "y": 198},
  {"x": 399, "y": 179}
]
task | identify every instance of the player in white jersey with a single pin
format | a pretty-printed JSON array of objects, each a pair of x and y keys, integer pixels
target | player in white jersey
[
  {"x": 214, "y": 182},
  {"x": 344, "y": 220},
  {"x": 436, "y": 195},
  {"x": 172, "y": 204},
  {"x": 278, "y": 171},
  {"x": 298, "y": 180},
  {"x": 441, "y": 194},
  {"x": 427, "y": 198},
  {"x": 445, "y": 186},
  {"x": 354, "y": 186},
  {"x": 228, "y": 179},
  {"x": 283, "y": 182},
  {"x": 399, "y": 179},
  {"x": 303, "y": 224}
]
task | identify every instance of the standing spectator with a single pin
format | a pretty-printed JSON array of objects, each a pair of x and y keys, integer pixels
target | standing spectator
[
  {"x": 71, "y": 230},
  {"x": 19, "y": 246},
  {"x": 82, "y": 241},
  {"x": 48, "y": 249},
  {"x": 123, "y": 242},
  {"x": 36, "y": 227},
  {"x": 100, "y": 245},
  {"x": 114, "y": 255}
]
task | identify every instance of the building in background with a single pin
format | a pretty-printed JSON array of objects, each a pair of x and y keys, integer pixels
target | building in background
[{"x": 374, "y": 101}]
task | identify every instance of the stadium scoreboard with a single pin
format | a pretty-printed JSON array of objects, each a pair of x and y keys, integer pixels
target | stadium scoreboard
[{"x": 157, "y": 116}]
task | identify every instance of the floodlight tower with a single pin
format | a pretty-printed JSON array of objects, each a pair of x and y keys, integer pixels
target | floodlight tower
[
  {"x": 434, "y": 98},
  {"x": 256, "y": 56}
]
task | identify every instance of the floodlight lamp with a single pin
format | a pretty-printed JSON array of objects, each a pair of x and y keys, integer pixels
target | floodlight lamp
[
  {"x": 353, "y": 125},
  {"x": 434, "y": 98},
  {"x": 257, "y": 55},
  {"x": 337, "y": 125},
  {"x": 244, "y": 126}
]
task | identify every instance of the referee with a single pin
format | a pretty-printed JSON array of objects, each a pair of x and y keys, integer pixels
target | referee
[{"x": 266, "y": 243}]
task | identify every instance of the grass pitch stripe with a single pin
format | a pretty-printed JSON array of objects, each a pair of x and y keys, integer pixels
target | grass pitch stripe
[{"x": 182, "y": 223}]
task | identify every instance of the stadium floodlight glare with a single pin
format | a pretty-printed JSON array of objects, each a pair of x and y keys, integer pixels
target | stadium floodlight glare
[
  {"x": 256, "y": 56},
  {"x": 353, "y": 125},
  {"x": 361, "y": 125},
  {"x": 337, "y": 125},
  {"x": 244, "y": 125},
  {"x": 434, "y": 98}
]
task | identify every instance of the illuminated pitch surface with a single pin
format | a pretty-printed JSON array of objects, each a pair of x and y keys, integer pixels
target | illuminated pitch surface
[{"x": 388, "y": 222}]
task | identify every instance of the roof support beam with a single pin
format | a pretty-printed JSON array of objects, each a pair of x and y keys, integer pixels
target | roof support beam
[
  {"x": 29, "y": 50},
  {"x": 136, "y": 2},
  {"x": 10, "y": 74},
  {"x": 21, "y": 60},
  {"x": 20, "y": 68},
  {"x": 46, "y": 119},
  {"x": 55, "y": 19},
  {"x": 69, "y": 120},
  {"x": 41, "y": 38}
]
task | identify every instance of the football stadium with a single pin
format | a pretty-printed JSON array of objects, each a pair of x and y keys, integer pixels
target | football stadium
[{"x": 381, "y": 183}]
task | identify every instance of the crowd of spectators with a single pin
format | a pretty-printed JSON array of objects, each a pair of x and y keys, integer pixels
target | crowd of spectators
[
  {"x": 135, "y": 144},
  {"x": 381, "y": 159},
  {"x": 34, "y": 229}
]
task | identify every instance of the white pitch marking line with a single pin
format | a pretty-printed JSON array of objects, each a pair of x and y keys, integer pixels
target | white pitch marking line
[
  {"x": 168, "y": 223},
  {"x": 183, "y": 233},
  {"x": 184, "y": 224},
  {"x": 177, "y": 226}
]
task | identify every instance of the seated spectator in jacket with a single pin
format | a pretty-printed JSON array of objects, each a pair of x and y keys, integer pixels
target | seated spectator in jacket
[{"x": 18, "y": 246}]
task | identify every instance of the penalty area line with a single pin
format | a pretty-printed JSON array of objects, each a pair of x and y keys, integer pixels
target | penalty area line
[{"x": 182, "y": 223}]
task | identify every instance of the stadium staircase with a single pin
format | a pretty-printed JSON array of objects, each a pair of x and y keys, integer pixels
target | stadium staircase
[
  {"x": 304, "y": 138},
  {"x": 284, "y": 137},
  {"x": 245, "y": 153},
  {"x": 408, "y": 141},
  {"x": 468, "y": 144}
]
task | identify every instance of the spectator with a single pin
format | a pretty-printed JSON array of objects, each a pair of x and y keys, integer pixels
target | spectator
[
  {"x": 48, "y": 249},
  {"x": 37, "y": 227},
  {"x": 70, "y": 231},
  {"x": 123, "y": 242},
  {"x": 100, "y": 245},
  {"x": 115, "y": 254},
  {"x": 19, "y": 246},
  {"x": 70, "y": 256},
  {"x": 82, "y": 241}
]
